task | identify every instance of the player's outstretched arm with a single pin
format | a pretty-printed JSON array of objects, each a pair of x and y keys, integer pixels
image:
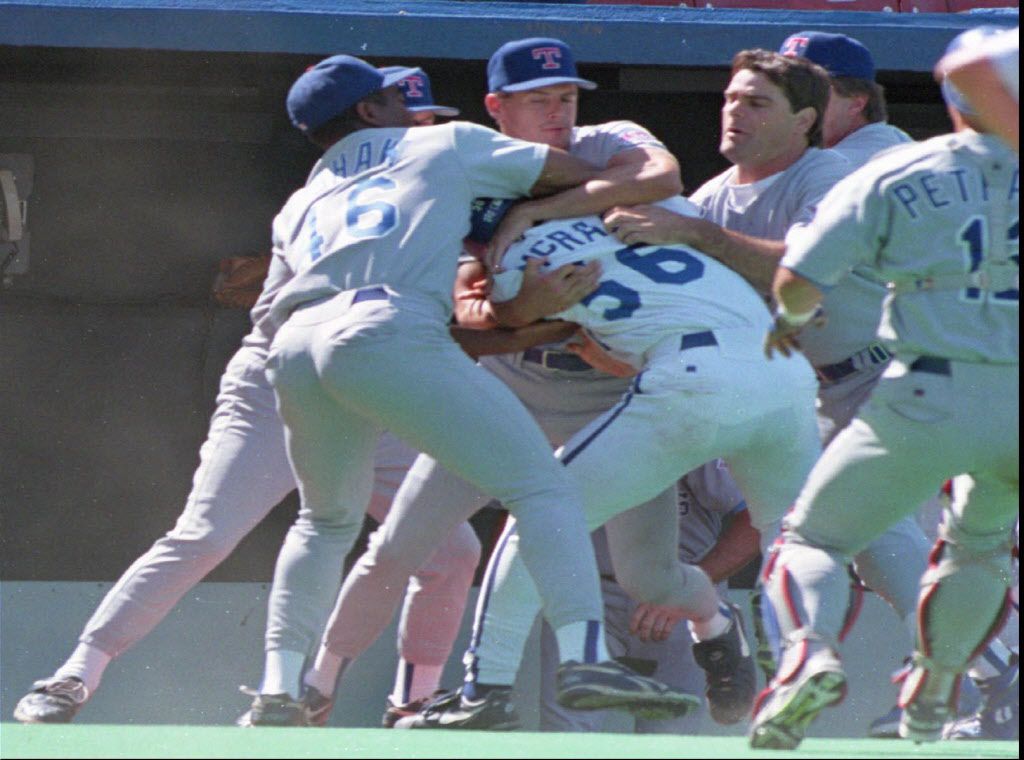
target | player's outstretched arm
[
  {"x": 501, "y": 340},
  {"x": 540, "y": 295},
  {"x": 641, "y": 175},
  {"x": 755, "y": 259},
  {"x": 799, "y": 302}
]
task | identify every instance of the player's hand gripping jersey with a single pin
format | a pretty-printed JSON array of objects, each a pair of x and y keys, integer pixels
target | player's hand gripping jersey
[{"x": 646, "y": 293}]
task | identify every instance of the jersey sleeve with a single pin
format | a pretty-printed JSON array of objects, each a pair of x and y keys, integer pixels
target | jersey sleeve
[
  {"x": 848, "y": 230},
  {"x": 495, "y": 165},
  {"x": 621, "y": 136}
]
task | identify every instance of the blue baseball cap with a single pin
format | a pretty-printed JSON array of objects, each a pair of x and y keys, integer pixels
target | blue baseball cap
[
  {"x": 532, "y": 63},
  {"x": 839, "y": 55},
  {"x": 334, "y": 85},
  {"x": 972, "y": 38},
  {"x": 418, "y": 96}
]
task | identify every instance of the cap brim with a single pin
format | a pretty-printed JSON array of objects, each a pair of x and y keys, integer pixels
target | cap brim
[
  {"x": 392, "y": 79},
  {"x": 536, "y": 84},
  {"x": 439, "y": 110}
]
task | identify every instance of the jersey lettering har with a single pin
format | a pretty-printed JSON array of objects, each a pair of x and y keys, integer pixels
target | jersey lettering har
[{"x": 645, "y": 293}]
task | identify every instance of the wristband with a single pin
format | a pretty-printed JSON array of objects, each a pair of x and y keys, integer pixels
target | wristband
[{"x": 798, "y": 319}]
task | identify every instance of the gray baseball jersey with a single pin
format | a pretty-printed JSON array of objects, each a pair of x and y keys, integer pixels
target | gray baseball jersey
[
  {"x": 904, "y": 216},
  {"x": 362, "y": 341},
  {"x": 371, "y": 211},
  {"x": 940, "y": 221}
]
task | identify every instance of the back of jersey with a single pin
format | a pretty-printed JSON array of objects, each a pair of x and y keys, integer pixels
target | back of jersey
[
  {"x": 939, "y": 221},
  {"x": 390, "y": 207},
  {"x": 646, "y": 292}
]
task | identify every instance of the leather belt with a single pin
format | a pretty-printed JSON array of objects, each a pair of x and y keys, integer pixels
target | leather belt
[
  {"x": 935, "y": 365},
  {"x": 555, "y": 360},
  {"x": 873, "y": 354}
]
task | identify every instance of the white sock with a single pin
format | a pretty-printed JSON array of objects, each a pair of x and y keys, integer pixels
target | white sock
[
  {"x": 326, "y": 671},
  {"x": 86, "y": 663},
  {"x": 414, "y": 681},
  {"x": 582, "y": 641},
  {"x": 713, "y": 627},
  {"x": 282, "y": 670}
]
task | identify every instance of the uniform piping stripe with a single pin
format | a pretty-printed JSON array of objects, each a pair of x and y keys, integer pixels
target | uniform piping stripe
[
  {"x": 590, "y": 439},
  {"x": 488, "y": 589},
  {"x": 590, "y": 644}
]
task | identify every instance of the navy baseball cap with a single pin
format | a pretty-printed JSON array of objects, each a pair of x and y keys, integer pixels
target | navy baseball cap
[
  {"x": 972, "y": 38},
  {"x": 418, "y": 96},
  {"x": 532, "y": 63},
  {"x": 335, "y": 84},
  {"x": 839, "y": 55}
]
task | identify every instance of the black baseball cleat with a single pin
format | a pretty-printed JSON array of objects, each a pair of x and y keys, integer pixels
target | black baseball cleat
[
  {"x": 272, "y": 710},
  {"x": 493, "y": 711},
  {"x": 612, "y": 685},
  {"x": 316, "y": 707},
  {"x": 730, "y": 672},
  {"x": 394, "y": 711},
  {"x": 52, "y": 700}
]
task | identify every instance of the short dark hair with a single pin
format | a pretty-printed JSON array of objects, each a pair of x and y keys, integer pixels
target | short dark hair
[
  {"x": 344, "y": 123},
  {"x": 805, "y": 84},
  {"x": 875, "y": 109}
]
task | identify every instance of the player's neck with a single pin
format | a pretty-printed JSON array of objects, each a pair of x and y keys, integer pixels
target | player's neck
[{"x": 761, "y": 167}]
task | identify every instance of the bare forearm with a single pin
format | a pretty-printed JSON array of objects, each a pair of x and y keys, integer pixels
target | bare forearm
[
  {"x": 795, "y": 294},
  {"x": 755, "y": 259},
  {"x": 739, "y": 543},
  {"x": 501, "y": 340}
]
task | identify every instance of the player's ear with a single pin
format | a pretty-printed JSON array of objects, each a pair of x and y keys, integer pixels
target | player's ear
[
  {"x": 492, "y": 103},
  {"x": 805, "y": 119},
  {"x": 370, "y": 112}
]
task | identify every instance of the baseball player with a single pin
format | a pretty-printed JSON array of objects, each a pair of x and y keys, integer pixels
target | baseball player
[
  {"x": 435, "y": 597},
  {"x": 989, "y": 77},
  {"x": 370, "y": 247},
  {"x": 708, "y": 501},
  {"x": 939, "y": 221},
  {"x": 688, "y": 324},
  {"x": 534, "y": 87},
  {"x": 775, "y": 113},
  {"x": 243, "y": 473}
]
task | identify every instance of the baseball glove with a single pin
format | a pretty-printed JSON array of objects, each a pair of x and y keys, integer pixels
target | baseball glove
[{"x": 239, "y": 281}]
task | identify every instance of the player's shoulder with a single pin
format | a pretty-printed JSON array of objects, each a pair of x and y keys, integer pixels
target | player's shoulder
[{"x": 621, "y": 131}]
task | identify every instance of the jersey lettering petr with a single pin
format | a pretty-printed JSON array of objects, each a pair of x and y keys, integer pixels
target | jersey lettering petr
[
  {"x": 645, "y": 293},
  {"x": 370, "y": 213},
  {"x": 953, "y": 205}
]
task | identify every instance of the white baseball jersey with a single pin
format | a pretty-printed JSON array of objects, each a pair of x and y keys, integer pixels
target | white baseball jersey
[
  {"x": 370, "y": 212},
  {"x": 642, "y": 297},
  {"x": 951, "y": 207}
]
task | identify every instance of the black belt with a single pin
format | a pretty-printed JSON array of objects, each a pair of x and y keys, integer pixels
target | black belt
[
  {"x": 370, "y": 294},
  {"x": 698, "y": 340},
  {"x": 935, "y": 365},
  {"x": 555, "y": 360},
  {"x": 833, "y": 373}
]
